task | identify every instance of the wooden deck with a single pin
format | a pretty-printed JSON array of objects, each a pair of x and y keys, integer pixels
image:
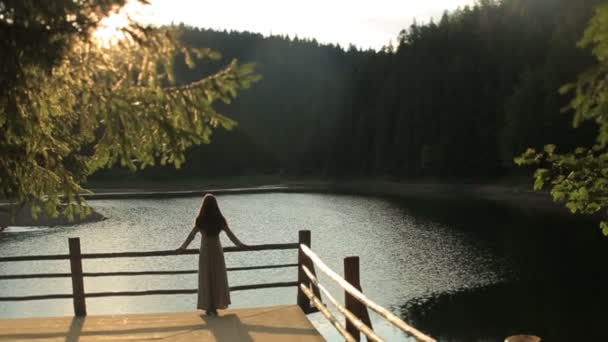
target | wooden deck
[{"x": 277, "y": 323}]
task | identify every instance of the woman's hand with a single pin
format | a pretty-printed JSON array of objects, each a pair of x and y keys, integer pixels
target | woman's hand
[
  {"x": 233, "y": 237},
  {"x": 188, "y": 240}
]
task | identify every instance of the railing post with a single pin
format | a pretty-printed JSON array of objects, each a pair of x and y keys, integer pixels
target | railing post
[
  {"x": 303, "y": 301},
  {"x": 351, "y": 275},
  {"x": 80, "y": 308}
]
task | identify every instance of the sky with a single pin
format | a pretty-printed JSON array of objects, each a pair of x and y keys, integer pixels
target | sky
[{"x": 366, "y": 24}]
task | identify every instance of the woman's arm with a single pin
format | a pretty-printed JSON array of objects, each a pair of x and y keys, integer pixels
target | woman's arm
[
  {"x": 189, "y": 238},
  {"x": 233, "y": 237}
]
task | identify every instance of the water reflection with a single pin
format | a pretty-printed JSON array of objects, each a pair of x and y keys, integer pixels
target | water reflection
[
  {"x": 492, "y": 312},
  {"x": 557, "y": 282},
  {"x": 461, "y": 269}
]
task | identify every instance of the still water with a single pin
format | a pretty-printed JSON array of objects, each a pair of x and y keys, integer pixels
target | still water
[{"x": 461, "y": 270}]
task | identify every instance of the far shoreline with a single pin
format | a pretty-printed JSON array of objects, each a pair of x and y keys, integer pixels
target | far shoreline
[
  {"x": 22, "y": 217},
  {"x": 512, "y": 195},
  {"x": 507, "y": 195}
]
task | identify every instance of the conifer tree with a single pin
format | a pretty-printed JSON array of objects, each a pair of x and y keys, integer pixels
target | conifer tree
[{"x": 70, "y": 105}]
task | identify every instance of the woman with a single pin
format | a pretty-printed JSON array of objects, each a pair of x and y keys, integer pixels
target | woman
[{"x": 213, "y": 291}]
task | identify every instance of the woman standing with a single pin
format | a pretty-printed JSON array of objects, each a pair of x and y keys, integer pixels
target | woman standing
[{"x": 213, "y": 290}]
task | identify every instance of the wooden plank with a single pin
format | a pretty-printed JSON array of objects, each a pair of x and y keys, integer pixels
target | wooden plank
[{"x": 272, "y": 324}]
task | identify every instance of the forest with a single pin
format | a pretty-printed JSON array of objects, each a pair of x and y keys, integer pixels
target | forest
[{"x": 454, "y": 98}]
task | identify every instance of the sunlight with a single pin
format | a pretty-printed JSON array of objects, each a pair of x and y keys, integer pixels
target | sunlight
[
  {"x": 111, "y": 29},
  {"x": 363, "y": 23},
  {"x": 109, "y": 32}
]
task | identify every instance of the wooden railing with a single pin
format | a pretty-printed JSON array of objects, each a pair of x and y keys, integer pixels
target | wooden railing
[
  {"x": 356, "y": 303},
  {"x": 77, "y": 274},
  {"x": 357, "y": 318}
]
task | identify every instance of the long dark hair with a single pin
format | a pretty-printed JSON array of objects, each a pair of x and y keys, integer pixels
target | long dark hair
[{"x": 210, "y": 219}]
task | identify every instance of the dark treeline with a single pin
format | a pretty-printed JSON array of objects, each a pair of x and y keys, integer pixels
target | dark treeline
[
  {"x": 456, "y": 98},
  {"x": 294, "y": 106},
  {"x": 463, "y": 96}
]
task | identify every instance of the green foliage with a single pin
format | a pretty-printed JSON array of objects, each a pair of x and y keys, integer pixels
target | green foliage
[
  {"x": 590, "y": 101},
  {"x": 80, "y": 105},
  {"x": 580, "y": 179},
  {"x": 577, "y": 179}
]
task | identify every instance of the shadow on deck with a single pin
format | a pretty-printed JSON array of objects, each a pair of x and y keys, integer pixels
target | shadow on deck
[{"x": 277, "y": 323}]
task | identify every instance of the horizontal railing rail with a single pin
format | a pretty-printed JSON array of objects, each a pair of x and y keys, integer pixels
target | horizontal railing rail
[
  {"x": 36, "y": 297},
  {"x": 229, "y": 249},
  {"x": 188, "y": 291},
  {"x": 35, "y": 257},
  {"x": 77, "y": 275},
  {"x": 145, "y": 292},
  {"x": 135, "y": 273}
]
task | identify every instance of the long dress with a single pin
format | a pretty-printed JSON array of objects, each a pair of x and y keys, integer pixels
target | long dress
[{"x": 213, "y": 290}]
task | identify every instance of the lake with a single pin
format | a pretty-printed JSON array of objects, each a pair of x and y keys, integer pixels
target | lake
[{"x": 459, "y": 269}]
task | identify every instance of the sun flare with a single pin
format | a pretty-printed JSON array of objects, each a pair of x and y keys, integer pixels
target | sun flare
[{"x": 110, "y": 30}]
